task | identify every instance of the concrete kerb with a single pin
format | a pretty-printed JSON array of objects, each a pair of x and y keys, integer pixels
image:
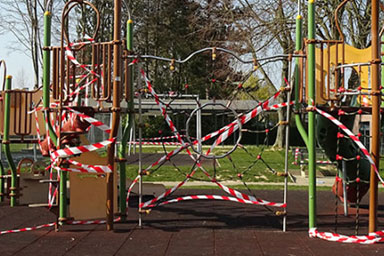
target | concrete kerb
[{"x": 300, "y": 181}]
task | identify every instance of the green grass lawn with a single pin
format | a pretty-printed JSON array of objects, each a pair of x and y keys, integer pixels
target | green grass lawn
[
  {"x": 17, "y": 147},
  {"x": 242, "y": 162}
]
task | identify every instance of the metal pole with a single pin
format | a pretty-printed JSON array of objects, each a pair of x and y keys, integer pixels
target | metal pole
[
  {"x": 375, "y": 145},
  {"x": 6, "y": 147},
  {"x": 130, "y": 146},
  {"x": 46, "y": 71},
  {"x": 140, "y": 146},
  {"x": 198, "y": 127},
  {"x": 287, "y": 149},
  {"x": 344, "y": 169},
  {"x": 311, "y": 115},
  {"x": 34, "y": 153},
  {"x": 115, "y": 109},
  {"x": 128, "y": 127}
]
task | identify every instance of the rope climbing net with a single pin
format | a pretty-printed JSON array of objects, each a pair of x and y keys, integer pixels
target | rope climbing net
[
  {"x": 208, "y": 149},
  {"x": 345, "y": 122}
]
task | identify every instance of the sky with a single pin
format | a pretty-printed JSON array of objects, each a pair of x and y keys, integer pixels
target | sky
[{"x": 16, "y": 61}]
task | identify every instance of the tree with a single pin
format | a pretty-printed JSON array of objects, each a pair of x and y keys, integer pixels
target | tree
[
  {"x": 355, "y": 27},
  {"x": 266, "y": 25},
  {"x": 24, "y": 20},
  {"x": 354, "y": 18},
  {"x": 21, "y": 81}
]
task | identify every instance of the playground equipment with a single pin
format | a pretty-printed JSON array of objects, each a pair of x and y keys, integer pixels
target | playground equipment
[
  {"x": 67, "y": 118},
  {"x": 332, "y": 91},
  {"x": 109, "y": 79},
  {"x": 199, "y": 157}
]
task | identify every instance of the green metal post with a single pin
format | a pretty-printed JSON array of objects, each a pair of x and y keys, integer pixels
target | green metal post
[
  {"x": 46, "y": 103},
  {"x": 46, "y": 70},
  {"x": 311, "y": 115},
  {"x": 299, "y": 124},
  {"x": 128, "y": 127},
  {"x": 6, "y": 147}
]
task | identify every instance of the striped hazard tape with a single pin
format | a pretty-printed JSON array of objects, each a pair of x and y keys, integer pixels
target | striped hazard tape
[
  {"x": 156, "y": 143},
  {"x": 89, "y": 40},
  {"x": 27, "y": 229},
  {"x": 79, "y": 89},
  {"x": 218, "y": 197},
  {"x": 89, "y": 222},
  {"x": 85, "y": 168},
  {"x": 241, "y": 196},
  {"x": 52, "y": 224},
  {"x": 235, "y": 126},
  {"x": 245, "y": 118},
  {"x": 98, "y": 124},
  {"x": 334, "y": 237},
  {"x": 373, "y": 238},
  {"x": 70, "y": 56},
  {"x": 297, "y": 153},
  {"x": 354, "y": 138},
  {"x": 163, "y": 138},
  {"x": 166, "y": 193},
  {"x": 66, "y": 152}
]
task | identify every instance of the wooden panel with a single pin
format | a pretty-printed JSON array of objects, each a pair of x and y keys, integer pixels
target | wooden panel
[
  {"x": 88, "y": 192},
  {"x": 32, "y": 191},
  {"x": 18, "y": 103}
]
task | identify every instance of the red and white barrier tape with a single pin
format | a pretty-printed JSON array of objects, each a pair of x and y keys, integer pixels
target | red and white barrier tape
[
  {"x": 162, "y": 108},
  {"x": 323, "y": 162},
  {"x": 156, "y": 143},
  {"x": 297, "y": 152},
  {"x": 370, "y": 239},
  {"x": 163, "y": 138},
  {"x": 89, "y": 40},
  {"x": 66, "y": 152},
  {"x": 333, "y": 237},
  {"x": 70, "y": 56},
  {"x": 38, "y": 130},
  {"x": 165, "y": 158},
  {"x": 354, "y": 139},
  {"x": 246, "y": 118},
  {"x": 74, "y": 150},
  {"x": 166, "y": 193},
  {"x": 72, "y": 222},
  {"x": 51, "y": 195},
  {"x": 89, "y": 222},
  {"x": 85, "y": 168},
  {"x": 237, "y": 194},
  {"x": 27, "y": 229},
  {"x": 98, "y": 124},
  {"x": 78, "y": 90},
  {"x": 134, "y": 182},
  {"x": 218, "y": 197}
]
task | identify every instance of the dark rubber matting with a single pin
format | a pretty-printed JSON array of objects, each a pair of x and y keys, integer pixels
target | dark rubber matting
[{"x": 194, "y": 228}]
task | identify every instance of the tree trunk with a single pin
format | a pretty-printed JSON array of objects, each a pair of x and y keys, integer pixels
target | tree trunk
[{"x": 279, "y": 142}]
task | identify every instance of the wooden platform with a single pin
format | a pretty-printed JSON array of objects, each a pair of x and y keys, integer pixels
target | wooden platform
[{"x": 193, "y": 228}]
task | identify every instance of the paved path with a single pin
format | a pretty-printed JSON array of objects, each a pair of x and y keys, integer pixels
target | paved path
[{"x": 300, "y": 181}]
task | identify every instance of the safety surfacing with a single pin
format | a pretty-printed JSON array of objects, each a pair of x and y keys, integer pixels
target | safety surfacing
[{"x": 200, "y": 227}]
